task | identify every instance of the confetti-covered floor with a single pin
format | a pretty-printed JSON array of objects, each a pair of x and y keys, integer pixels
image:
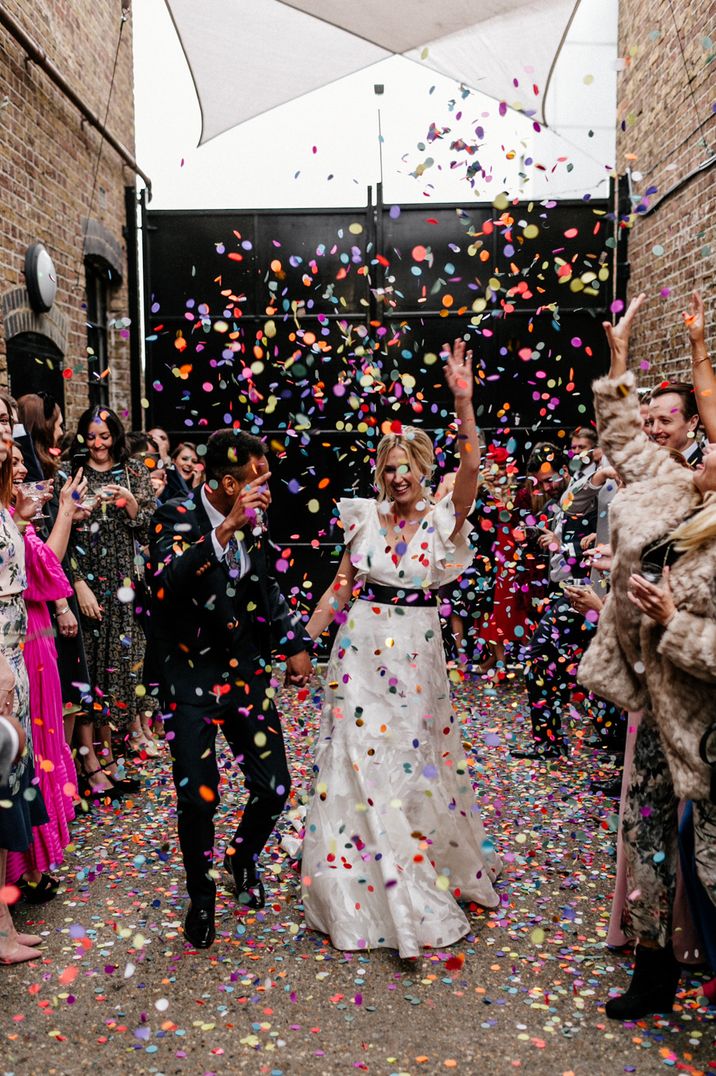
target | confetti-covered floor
[{"x": 116, "y": 989}]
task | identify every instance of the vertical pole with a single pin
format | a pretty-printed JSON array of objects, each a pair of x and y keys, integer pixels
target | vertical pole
[
  {"x": 136, "y": 372},
  {"x": 380, "y": 147}
]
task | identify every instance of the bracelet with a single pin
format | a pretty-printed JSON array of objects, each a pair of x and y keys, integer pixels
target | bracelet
[{"x": 61, "y": 612}]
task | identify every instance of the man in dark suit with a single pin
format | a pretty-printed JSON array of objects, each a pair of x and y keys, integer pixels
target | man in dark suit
[
  {"x": 673, "y": 419},
  {"x": 217, "y": 613}
]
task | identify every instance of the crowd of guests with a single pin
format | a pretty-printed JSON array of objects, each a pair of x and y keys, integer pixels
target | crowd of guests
[
  {"x": 76, "y": 679},
  {"x": 594, "y": 578}
]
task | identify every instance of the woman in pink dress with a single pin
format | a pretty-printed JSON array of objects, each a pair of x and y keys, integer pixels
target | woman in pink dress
[{"x": 53, "y": 760}]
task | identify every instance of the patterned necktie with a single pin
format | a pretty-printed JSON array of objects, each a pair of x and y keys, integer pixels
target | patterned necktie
[{"x": 234, "y": 558}]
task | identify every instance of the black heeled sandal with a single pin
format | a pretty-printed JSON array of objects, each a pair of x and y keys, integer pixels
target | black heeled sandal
[
  {"x": 89, "y": 793},
  {"x": 38, "y": 892},
  {"x": 123, "y": 785}
]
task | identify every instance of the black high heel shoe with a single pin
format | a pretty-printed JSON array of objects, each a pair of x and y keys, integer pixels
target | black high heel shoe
[
  {"x": 38, "y": 892},
  {"x": 114, "y": 792},
  {"x": 123, "y": 785},
  {"x": 653, "y": 986}
]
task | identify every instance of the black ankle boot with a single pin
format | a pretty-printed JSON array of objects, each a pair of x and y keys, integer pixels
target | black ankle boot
[{"x": 652, "y": 988}]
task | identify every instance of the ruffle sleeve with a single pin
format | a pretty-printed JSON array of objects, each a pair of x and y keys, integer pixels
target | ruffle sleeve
[
  {"x": 46, "y": 580},
  {"x": 354, "y": 514},
  {"x": 452, "y": 555}
]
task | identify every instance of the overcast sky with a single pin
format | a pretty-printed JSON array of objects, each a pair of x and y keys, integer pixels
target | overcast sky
[{"x": 323, "y": 150}]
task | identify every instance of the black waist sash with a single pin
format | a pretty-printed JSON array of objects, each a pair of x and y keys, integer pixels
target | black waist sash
[{"x": 376, "y": 592}]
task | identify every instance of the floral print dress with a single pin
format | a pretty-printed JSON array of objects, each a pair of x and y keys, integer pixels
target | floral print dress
[{"x": 105, "y": 553}]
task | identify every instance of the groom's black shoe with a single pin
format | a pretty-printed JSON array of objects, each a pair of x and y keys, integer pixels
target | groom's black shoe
[
  {"x": 249, "y": 887},
  {"x": 199, "y": 928},
  {"x": 544, "y": 752}
]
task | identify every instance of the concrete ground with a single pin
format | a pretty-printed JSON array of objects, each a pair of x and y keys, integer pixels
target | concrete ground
[{"x": 117, "y": 990}]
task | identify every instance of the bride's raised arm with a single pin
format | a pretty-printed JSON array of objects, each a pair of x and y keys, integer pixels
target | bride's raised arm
[{"x": 460, "y": 380}]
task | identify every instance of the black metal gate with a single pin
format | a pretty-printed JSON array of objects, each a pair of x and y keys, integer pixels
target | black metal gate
[{"x": 311, "y": 329}]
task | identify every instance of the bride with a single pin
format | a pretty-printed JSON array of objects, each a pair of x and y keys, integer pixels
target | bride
[{"x": 393, "y": 836}]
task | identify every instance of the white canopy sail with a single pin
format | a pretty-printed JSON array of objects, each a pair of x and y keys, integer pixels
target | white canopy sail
[{"x": 249, "y": 56}]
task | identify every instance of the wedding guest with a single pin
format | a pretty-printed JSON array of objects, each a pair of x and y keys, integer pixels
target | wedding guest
[
  {"x": 655, "y": 651},
  {"x": 21, "y": 804},
  {"x": 42, "y": 417},
  {"x": 104, "y": 562},
  {"x": 46, "y": 582}
]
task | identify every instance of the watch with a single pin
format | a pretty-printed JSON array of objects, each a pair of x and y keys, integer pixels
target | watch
[{"x": 40, "y": 278}]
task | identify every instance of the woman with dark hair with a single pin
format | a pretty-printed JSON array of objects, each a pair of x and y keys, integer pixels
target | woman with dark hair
[
  {"x": 104, "y": 565},
  {"x": 44, "y": 422},
  {"x": 46, "y": 582},
  {"x": 186, "y": 460}
]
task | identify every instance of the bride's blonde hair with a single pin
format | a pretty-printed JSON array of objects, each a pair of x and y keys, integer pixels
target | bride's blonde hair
[
  {"x": 699, "y": 528},
  {"x": 416, "y": 445}
]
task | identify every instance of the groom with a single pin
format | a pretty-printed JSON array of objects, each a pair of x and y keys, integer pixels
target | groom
[{"x": 217, "y": 614}]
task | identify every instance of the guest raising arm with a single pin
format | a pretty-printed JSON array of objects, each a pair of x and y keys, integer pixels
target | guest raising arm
[
  {"x": 655, "y": 651},
  {"x": 702, "y": 372}
]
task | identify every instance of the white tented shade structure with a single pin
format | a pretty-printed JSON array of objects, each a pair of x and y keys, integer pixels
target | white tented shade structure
[{"x": 249, "y": 56}]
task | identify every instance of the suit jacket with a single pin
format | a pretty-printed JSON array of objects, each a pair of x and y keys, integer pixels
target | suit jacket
[{"x": 208, "y": 628}]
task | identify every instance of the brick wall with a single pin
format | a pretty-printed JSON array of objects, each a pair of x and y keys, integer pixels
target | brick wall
[
  {"x": 665, "y": 114},
  {"x": 48, "y": 160}
]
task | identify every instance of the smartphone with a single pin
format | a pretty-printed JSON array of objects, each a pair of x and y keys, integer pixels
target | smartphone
[{"x": 79, "y": 459}]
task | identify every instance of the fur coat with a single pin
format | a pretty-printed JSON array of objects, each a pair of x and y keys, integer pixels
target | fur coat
[{"x": 633, "y": 661}]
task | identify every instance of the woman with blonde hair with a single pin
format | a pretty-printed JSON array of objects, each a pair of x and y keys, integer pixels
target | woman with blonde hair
[
  {"x": 394, "y": 837},
  {"x": 655, "y": 651}
]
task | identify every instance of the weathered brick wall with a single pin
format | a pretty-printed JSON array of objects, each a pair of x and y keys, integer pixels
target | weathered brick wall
[
  {"x": 667, "y": 128},
  {"x": 48, "y": 159}
]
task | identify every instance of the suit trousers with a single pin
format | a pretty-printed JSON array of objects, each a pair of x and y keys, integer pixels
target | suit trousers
[
  {"x": 559, "y": 640},
  {"x": 550, "y": 675},
  {"x": 252, "y": 728}
]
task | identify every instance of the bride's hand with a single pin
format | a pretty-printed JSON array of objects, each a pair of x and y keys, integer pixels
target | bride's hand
[{"x": 458, "y": 370}]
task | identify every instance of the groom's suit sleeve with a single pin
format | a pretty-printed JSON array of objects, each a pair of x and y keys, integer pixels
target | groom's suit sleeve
[{"x": 180, "y": 556}]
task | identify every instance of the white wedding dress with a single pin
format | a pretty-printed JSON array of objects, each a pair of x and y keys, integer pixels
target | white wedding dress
[{"x": 393, "y": 835}]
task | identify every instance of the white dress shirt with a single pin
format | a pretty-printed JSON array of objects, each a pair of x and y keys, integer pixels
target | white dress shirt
[{"x": 216, "y": 519}]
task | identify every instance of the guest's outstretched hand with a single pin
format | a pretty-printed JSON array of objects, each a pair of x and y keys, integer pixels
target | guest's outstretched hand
[
  {"x": 458, "y": 370},
  {"x": 694, "y": 319}
]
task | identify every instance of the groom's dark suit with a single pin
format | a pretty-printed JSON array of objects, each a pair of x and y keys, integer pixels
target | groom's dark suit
[{"x": 214, "y": 634}]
